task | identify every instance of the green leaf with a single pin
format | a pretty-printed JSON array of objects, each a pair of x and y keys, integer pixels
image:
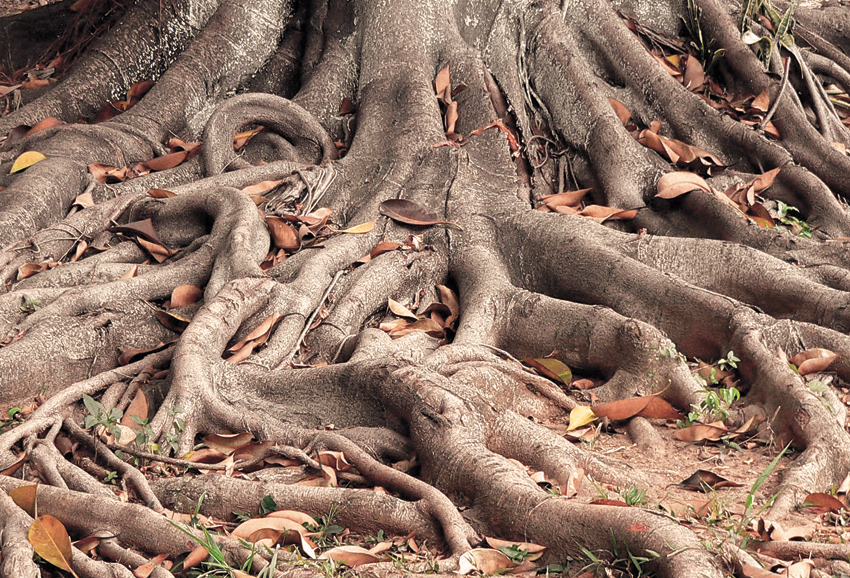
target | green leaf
[{"x": 94, "y": 406}]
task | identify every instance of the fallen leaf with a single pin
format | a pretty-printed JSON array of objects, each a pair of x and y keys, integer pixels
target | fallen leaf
[
  {"x": 26, "y": 160},
  {"x": 228, "y": 443},
  {"x": 147, "y": 568},
  {"x": 650, "y": 406},
  {"x": 400, "y": 310},
  {"x": 703, "y": 480},
  {"x": 159, "y": 252},
  {"x": 183, "y": 295},
  {"x": 442, "y": 83},
  {"x": 138, "y": 408},
  {"x": 143, "y": 229},
  {"x": 31, "y": 269},
  {"x": 602, "y": 214},
  {"x": 358, "y": 229},
  {"x": 25, "y": 498},
  {"x": 620, "y": 109},
  {"x": 294, "y": 515},
  {"x": 173, "y": 321},
  {"x": 195, "y": 557},
  {"x": 701, "y": 431},
  {"x": 411, "y": 213},
  {"x": 580, "y": 415},
  {"x": 485, "y": 561},
  {"x": 756, "y": 572},
  {"x": 284, "y": 236},
  {"x": 351, "y": 556},
  {"x": 672, "y": 185},
  {"x": 813, "y": 360},
  {"x": 821, "y": 503},
  {"x": 566, "y": 199},
  {"x": 551, "y": 368},
  {"x": 161, "y": 193},
  {"x": 50, "y": 540}
]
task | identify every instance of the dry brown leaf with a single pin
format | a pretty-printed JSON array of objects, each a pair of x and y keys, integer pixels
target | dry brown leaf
[
  {"x": 261, "y": 187},
  {"x": 31, "y": 269},
  {"x": 565, "y": 199},
  {"x": 228, "y": 443},
  {"x": 621, "y": 111},
  {"x": 284, "y": 235},
  {"x": 650, "y": 406},
  {"x": 351, "y": 556},
  {"x": 813, "y": 360},
  {"x": 183, "y": 295},
  {"x": 701, "y": 431},
  {"x": 138, "y": 408},
  {"x": 400, "y": 310},
  {"x": 294, "y": 515},
  {"x": 703, "y": 481},
  {"x": 676, "y": 184},
  {"x": 411, "y": 213},
  {"x": 821, "y": 503},
  {"x": 195, "y": 557},
  {"x": 131, "y": 272}
]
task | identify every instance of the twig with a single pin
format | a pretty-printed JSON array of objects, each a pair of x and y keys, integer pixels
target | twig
[
  {"x": 311, "y": 319},
  {"x": 772, "y": 110}
]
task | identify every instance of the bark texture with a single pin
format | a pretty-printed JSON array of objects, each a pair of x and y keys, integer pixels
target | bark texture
[{"x": 625, "y": 283}]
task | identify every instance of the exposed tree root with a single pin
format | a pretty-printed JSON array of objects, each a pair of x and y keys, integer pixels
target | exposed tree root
[{"x": 325, "y": 321}]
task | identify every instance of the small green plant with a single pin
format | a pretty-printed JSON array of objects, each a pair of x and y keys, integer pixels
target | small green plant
[
  {"x": 178, "y": 425},
  {"x": 110, "y": 477},
  {"x": 216, "y": 564},
  {"x": 144, "y": 434},
  {"x": 798, "y": 226},
  {"x": 99, "y": 416},
  {"x": 626, "y": 562},
  {"x": 267, "y": 506},
  {"x": 325, "y": 524},
  {"x": 706, "y": 51},
  {"x": 746, "y": 518},
  {"x": 514, "y": 552},
  {"x": 633, "y": 496},
  {"x": 29, "y": 305}
]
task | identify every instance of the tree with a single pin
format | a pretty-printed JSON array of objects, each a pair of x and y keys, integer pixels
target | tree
[{"x": 532, "y": 99}]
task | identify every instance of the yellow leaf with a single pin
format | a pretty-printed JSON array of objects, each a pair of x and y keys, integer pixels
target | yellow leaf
[
  {"x": 24, "y": 497},
  {"x": 27, "y": 159},
  {"x": 551, "y": 368},
  {"x": 50, "y": 540},
  {"x": 579, "y": 416},
  {"x": 364, "y": 228}
]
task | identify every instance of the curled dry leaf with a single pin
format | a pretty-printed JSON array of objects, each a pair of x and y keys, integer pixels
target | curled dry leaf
[
  {"x": 31, "y": 269},
  {"x": 159, "y": 252},
  {"x": 400, "y": 310},
  {"x": 161, "y": 193},
  {"x": 813, "y": 360},
  {"x": 284, "y": 236},
  {"x": 294, "y": 515},
  {"x": 620, "y": 109},
  {"x": 138, "y": 408},
  {"x": 228, "y": 443},
  {"x": 821, "y": 503},
  {"x": 195, "y": 557},
  {"x": 676, "y": 184}
]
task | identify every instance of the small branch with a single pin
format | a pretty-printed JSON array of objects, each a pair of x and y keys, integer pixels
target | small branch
[
  {"x": 775, "y": 104},
  {"x": 311, "y": 319}
]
